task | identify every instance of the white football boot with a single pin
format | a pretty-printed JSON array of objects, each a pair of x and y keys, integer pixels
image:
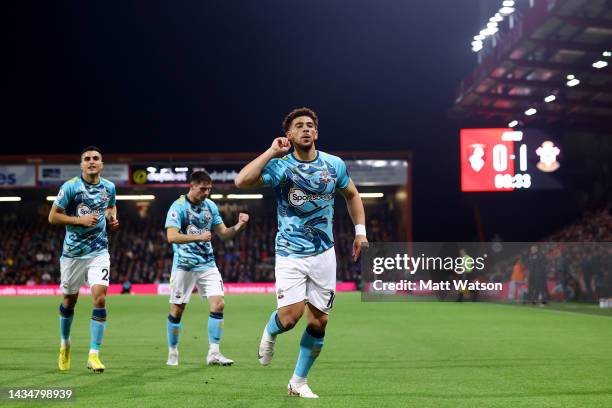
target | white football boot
[
  {"x": 300, "y": 390},
  {"x": 266, "y": 348},
  {"x": 172, "y": 357},
  {"x": 216, "y": 358}
]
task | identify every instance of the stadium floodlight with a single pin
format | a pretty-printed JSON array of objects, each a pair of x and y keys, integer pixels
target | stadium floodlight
[
  {"x": 573, "y": 82},
  {"x": 600, "y": 64},
  {"x": 151, "y": 169},
  {"x": 492, "y": 24},
  {"x": 216, "y": 196},
  {"x": 607, "y": 53},
  {"x": 570, "y": 76},
  {"x": 550, "y": 98},
  {"x": 477, "y": 48},
  {"x": 479, "y": 37},
  {"x": 489, "y": 31},
  {"x": 8, "y": 199},
  {"x": 135, "y": 197},
  {"x": 371, "y": 195},
  {"x": 531, "y": 111},
  {"x": 506, "y": 11},
  {"x": 244, "y": 196},
  {"x": 123, "y": 197},
  {"x": 513, "y": 123},
  {"x": 508, "y": 3},
  {"x": 477, "y": 43},
  {"x": 497, "y": 18},
  {"x": 181, "y": 169}
]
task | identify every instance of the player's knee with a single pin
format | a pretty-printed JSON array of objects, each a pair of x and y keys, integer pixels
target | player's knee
[
  {"x": 70, "y": 302},
  {"x": 290, "y": 320},
  {"x": 100, "y": 300},
  {"x": 176, "y": 311},
  {"x": 318, "y": 324},
  {"x": 218, "y": 306},
  {"x": 289, "y": 323},
  {"x": 323, "y": 321}
]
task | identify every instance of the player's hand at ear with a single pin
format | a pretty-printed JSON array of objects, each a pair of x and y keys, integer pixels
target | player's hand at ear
[
  {"x": 280, "y": 146},
  {"x": 89, "y": 220},
  {"x": 205, "y": 236},
  {"x": 359, "y": 243},
  {"x": 243, "y": 218}
]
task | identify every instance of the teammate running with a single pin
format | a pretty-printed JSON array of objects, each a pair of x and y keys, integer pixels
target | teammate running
[{"x": 83, "y": 205}]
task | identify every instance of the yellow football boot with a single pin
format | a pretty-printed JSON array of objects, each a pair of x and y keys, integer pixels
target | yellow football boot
[
  {"x": 94, "y": 363},
  {"x": 63, "y": 360}
]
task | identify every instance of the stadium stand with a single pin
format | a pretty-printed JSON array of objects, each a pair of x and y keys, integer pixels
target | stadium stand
[
  {"x": 30, "y": 249},
  {"x": 578, "y": 271}
]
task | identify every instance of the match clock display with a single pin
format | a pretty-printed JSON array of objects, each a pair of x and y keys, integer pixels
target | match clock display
[{"x": 508, "y": 160}]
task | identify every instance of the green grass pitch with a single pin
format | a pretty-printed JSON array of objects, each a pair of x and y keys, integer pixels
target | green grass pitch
[{"x": 412, "y": 354}]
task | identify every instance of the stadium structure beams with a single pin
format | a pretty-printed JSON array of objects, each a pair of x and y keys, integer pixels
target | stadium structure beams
[
  {"x": 585, "y": 22},
  {"x": 541, "y": 84},
  {"x": 567, "y": 45},
  {"x": 539, "y": 99},
  {"x": 508, "y": 114},
  {"x": 576, "y": 69},
  {"x": 534, "y": 58}
]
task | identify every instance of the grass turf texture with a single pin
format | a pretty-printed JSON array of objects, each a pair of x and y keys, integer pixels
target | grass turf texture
[{"x": 422, "y": 354}]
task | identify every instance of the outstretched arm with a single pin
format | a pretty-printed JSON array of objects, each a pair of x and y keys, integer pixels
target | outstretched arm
[
  {"x": 250, "y": 175},
  {"x": 357, "y": 213},
  {"x": 226, "y": 233}
]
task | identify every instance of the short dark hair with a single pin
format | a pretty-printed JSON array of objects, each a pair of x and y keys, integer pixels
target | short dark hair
[
  {"x": 200, "y": 176},
  {"x": 90, "y": 149},
  {"x": 296, "y": 113}
]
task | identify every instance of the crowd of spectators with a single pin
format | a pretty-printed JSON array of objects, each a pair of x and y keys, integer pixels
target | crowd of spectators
[
  {"x": 576, "y": 258},
  {"x": 30, "y": 248}
]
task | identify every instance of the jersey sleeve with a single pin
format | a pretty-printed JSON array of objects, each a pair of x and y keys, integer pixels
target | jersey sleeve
[
  {"x": 174, "y": 217},
  {"x": 65, "y": 195},
  {"x": 216, "y": 217},
  {"x": 343, "y": 176},
  {"x": 273, "y": 173},
  {"x": 113, "y": 196}
]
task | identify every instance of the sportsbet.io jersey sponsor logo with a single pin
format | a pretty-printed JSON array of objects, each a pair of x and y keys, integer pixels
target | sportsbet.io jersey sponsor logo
[
  {"x": 193, "y": 230},
  {"x": 83, "y": 210},
  {"x": 298, "y": 197}
]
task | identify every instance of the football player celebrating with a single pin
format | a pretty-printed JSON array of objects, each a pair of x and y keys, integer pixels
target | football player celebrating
[
  {"x": 305, "y": 182},
  {"x": 188, "y": 225}
]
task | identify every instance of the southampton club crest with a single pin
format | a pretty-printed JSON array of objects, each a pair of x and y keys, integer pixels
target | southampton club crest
[
  {"x": 326, "y": 177},
  {"x": 207, "y": 216},
  {"x": 104, "y": 195}
]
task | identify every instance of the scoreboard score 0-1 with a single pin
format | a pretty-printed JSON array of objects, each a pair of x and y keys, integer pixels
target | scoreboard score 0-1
[{"x": 508, "y": 160}]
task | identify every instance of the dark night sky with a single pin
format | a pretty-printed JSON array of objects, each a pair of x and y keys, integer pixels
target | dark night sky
[
  {"x": 186, "y": 76},
  {"x": 219, "y": 76}
]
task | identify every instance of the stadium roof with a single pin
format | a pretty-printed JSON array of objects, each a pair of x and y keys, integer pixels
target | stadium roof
[{"x": 549, "y": 64}]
